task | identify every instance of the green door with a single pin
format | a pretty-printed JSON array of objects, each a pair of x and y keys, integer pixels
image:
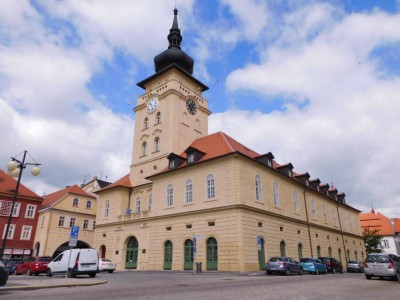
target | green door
[
  {"x": 168, "y": 255},
  {"x": 212, "y": 254},
  {"x": 131, "y": 254},
  {"x": 188, "y": 263},
  {"x": 261, "y": 254}
]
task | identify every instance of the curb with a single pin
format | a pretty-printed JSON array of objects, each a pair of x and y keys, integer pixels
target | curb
[{"x": 36, "y": 287}]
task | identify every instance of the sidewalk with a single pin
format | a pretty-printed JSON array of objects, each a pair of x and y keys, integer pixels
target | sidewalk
[{"x": 32, "y": 283}]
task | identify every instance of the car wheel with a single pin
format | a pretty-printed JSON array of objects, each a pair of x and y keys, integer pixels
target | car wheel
[
  {"x": 333, "y": 271},
  {"x": 28, "y": 272},
  {"x": 368, "y": 276},
  {"x": 48, "y": 273},
  {"x": 326, "y": 271},
  {"x": 316, "y": 272},
  {"x": 287, "y": 272},
  {"x": 269, "y": 272},
  {"x": 15, "y": 272},
  {"x": 110, "y": 271},
  {"x": 341, "y": 271},
  {"x": 301, "y": 271}
]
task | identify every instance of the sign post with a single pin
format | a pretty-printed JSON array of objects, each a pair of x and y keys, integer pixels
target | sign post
[{"x": 73, "y": 241}]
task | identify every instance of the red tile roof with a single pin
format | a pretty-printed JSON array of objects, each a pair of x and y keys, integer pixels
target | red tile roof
[
  {"x": 124, "y": 181},
  {"x": 51, "y": 199},
  {"x": 376, "y": 221},
  {"x": 8, "y": 185}
]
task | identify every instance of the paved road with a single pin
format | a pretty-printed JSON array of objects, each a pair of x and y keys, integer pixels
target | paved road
[{"x": 181, "y": 285}]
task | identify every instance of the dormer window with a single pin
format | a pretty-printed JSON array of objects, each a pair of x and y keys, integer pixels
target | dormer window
[
  {"x": 290, "y": 173},
  {"x": 318, "y": 188},
  {"x": 190, "y": 158},
  {"x": 307, "y": 183},
  {"x": 171, "y": 164},
  {"x": 269, "y": 163}
]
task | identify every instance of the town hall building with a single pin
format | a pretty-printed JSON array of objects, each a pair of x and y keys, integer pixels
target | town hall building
[{"x": 191, "y": 196}]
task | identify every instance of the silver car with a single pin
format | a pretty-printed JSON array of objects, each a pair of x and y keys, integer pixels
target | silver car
[{"x": 382, "y": 265}]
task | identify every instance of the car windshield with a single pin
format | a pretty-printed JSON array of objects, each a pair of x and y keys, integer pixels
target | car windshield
[
  {"x": 306, "y": 260},
  {"x": 353, "y": 262},
  {"x": 377, "y": 259},
  {"x": 273, "y": 259}
]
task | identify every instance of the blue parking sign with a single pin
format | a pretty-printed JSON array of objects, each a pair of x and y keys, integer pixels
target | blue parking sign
[{"x": 74, "y": 231}]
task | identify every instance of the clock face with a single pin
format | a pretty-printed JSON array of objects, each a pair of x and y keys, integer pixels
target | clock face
[
  {"x": 152, "y": 104},
  {"x": 191, "y": 106}
]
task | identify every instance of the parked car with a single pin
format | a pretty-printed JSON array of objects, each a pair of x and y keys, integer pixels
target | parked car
[
  {"x": 355, "y": 266},
  {"x": 33, "y": 265},
  {"x": 75, "y": 262},
  {"x": 333, "y": 264},
  {"x": 382, "y": 265},
  {"x": 284, "y": 265},
  {"x": 11, "y": 264},
  {"x": 3, "y": 274},
  {"x": 313, "y": 265},
  {"x": 107, "y": 265}
]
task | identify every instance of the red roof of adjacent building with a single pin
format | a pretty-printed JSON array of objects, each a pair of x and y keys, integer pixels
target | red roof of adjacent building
[
  {"x": 378, "y": 221},
  {"x": 51, "y": 199},
  {"x": 8, "y": 185},
  {"x": 123, "y": 181}
]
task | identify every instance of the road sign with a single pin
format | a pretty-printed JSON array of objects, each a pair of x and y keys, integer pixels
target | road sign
[{"x": 73, "y": 239}]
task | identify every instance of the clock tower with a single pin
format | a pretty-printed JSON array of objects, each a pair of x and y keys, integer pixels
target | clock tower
[{"x": 171, "y": 113}]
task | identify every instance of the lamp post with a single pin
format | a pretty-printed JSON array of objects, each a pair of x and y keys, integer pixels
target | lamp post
[{"x": 15, "y": 167}]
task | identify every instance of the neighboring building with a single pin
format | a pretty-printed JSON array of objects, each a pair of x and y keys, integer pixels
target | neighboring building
[
  {"x": 71, "y": 206},
  {"x": 389, "y": 230},
  {"x": 22, "y": 229},
  {"x": 94, "y": 185},
  {"x": 193, "y": 197}
]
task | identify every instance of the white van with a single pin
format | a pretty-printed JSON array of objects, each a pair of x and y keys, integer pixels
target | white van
[{"x": 81, "y": 261}]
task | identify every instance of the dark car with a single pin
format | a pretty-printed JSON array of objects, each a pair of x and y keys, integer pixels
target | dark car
[
  {"x": 33, "y": 265},
  {"x": 3, "y": 274},
  {"x": 284, "y": 265},
  {"x": 333, "y": 264},
  {"x": 11, "y": 265},
  {"x": 355, "y": 266}
]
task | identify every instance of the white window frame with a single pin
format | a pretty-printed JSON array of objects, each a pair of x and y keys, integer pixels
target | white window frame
[
  {"x": 334, "y": 216},
  {"x": 324, "y": 213},
  {"x": 144, "y": 149},
  {"x": 86, "y": 224},
  {"x": 75, "y": 202},
  {"x": 150, "y": 201},
  {"x": 61, "y": 221},
  {"x": 158, "y": 118},
  {"x": 146, "y": 123},
  {"x": 313, "y": 209},
  {"x": 137, "y": 204},
  {"x": 276, "y": 194},
  {"x": 72, "y": 222},
  {"x": 210, "y": 186},
  {"x": 106, "y": 208},
  {"x": 88, "y": 204},
  {"x": 26, "y": 232},
  {"x": 11, "y": 231},
  {"x": 30, "y": 211},
  {"x": 157, "y": 144},
  {"x": 296, "y": 202},
  {"x": 16, "y": 210},
  {"x": 258, "y": 186},
  {"x": 170, "y": 195},
  {"x": 188, "y": 191},
  {"x": 191, "y": 158}
]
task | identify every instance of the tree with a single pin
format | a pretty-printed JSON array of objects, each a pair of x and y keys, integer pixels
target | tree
[{"x": 372, "y": 240}]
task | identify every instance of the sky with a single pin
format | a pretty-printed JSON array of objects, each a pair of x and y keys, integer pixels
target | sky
[{"x": 314, "y": 82}]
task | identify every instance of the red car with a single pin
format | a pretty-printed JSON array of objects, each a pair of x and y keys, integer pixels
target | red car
[{"x": 33, "y": 265}]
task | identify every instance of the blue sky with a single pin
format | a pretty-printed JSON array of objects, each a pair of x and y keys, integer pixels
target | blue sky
[{"x": 314, "y": 82}]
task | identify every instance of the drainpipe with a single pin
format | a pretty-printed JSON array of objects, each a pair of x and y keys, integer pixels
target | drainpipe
[
  {"x": 308, "y": 223},
  {"x": 341, "y": 231}
]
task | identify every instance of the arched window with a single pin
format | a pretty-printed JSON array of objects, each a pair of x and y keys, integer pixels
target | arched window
[
  {"x": 188, "y": 191},
  {"x": 157, "y": 144},
  {"x": 188, "y": 259},
  {"x": 158, "y": 118},
  {"x": 106, "y": 208},
  {"x": 144, "y": 149},
  {"x": 88, "y": 204},
  {"x": 212, "y": 254},
  {"x": 330, "y": 251},
  {"x": 150, "y": 201},
  {"x": 210, "y": 184},
  {"x": 333, "y": 216},
  {"x": 313, "y": 209},
  {"x": 355, "y": 255},
  {"x": 296, "y": 202},
  {"x": 170, "y": 195},
  {"x": 340, "y": 254},
  {"x": 146, "y": 123},
  {"x": 75, "y": 202},
  {"x": 276, "y": 194},
  {"x": 283, "y": 248},
  {"x": 319, "y": 251},
  {"x": 168, "y": 250},
  {"x": 300, "y": 250},
  {"x": 258, "y": 188},
  {"x": 137, "y": 204}
]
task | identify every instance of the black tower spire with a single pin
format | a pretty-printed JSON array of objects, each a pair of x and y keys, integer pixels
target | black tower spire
[{"x": 174, "y": 54}]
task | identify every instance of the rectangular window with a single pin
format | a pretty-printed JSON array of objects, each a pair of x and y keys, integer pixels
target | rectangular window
[
  {"x": 170, "y": 195},
  {"x": 16, "y": 209},
  {"x": 26, "y": 232},
  {"x": 191, "y": 158},
  {"x": 72, "y": 222},
  {"x": 324, "y": 212},
  {"x": 30, "y": 211},
  {"x": 85, "y": 224},
  {"x": 296, "y": 202},
  {"x": 276, "y": 194},
  {"x": 11, "y": 231},
  {"x": 61, "y": 221},
  {"x": 385, "y": 243},
  {"x": 313, "y": 209}
]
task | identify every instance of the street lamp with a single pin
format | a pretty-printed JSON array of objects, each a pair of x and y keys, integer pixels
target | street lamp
[{"x": 15, "y": 167}]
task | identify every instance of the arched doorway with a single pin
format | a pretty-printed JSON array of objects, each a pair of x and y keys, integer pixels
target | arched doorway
[
  {"x": 63, "y": 247},
  {"x": 283, "y": 248},
  {"x": 102, "y": 251},
  {"x": 188, "y": 260},
  {"x": 261, "y": 253},
  {"x": 168, "y": 255},
  {"x": 212, "y": 254},
  {"x": 131, "y": 253},
  {"x": 300, "y": 250}
]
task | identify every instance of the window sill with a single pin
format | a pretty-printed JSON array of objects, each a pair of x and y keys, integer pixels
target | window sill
[{"x": 210, "y": 200}]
